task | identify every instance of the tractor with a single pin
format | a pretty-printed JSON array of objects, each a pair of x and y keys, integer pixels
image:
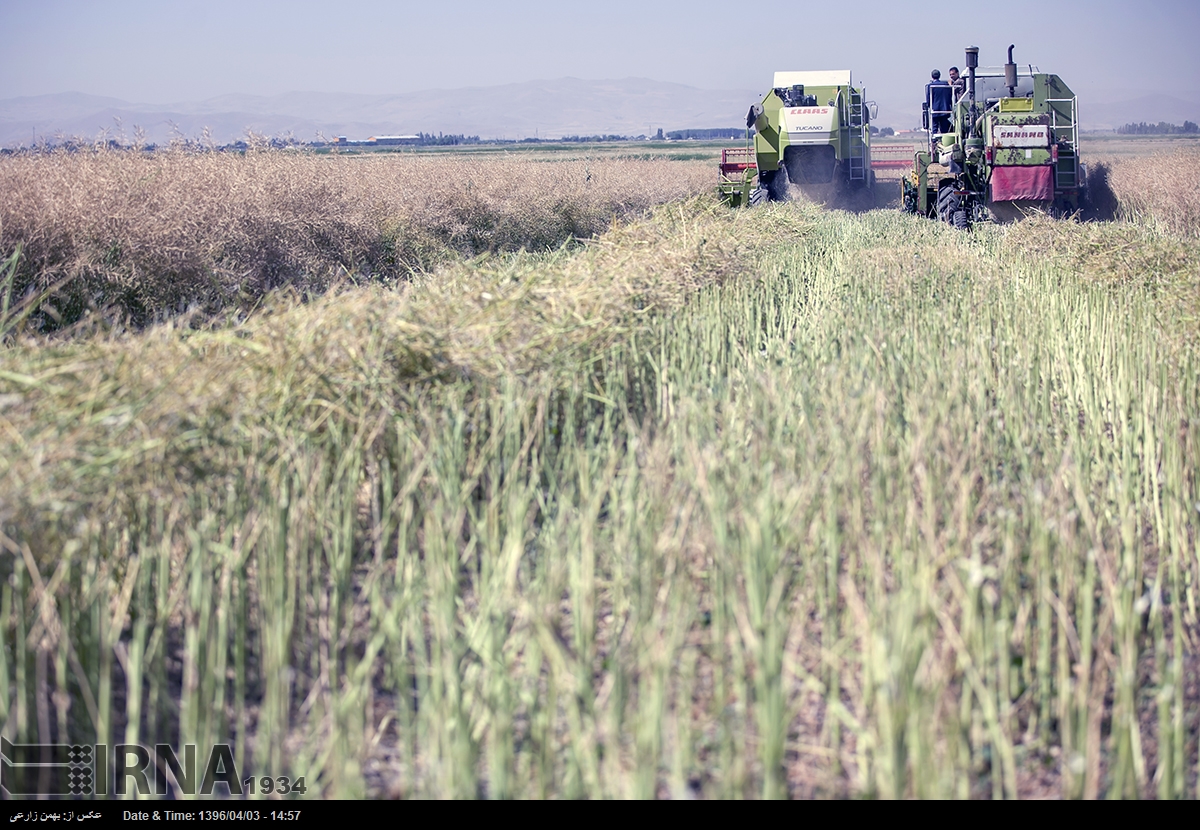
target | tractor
[{"x": 1007, "y": 146}]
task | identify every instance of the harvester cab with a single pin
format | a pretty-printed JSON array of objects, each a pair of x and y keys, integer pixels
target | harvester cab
[
  {"x": 810, "y": 129},
  {"x": 1009, "y": 147}
]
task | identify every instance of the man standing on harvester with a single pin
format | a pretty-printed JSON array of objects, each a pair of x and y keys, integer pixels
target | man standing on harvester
[
  {"x": 957, "y": 83},
  {"x": 938, "y": 103}
]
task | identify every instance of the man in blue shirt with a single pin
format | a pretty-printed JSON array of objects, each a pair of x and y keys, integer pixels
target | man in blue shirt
[{"x": 938, "y": 95}]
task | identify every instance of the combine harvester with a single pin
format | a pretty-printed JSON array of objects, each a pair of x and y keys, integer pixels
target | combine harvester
[
  {"x": 1012, "y": 148},
  {"x": 812, "y": 129}
]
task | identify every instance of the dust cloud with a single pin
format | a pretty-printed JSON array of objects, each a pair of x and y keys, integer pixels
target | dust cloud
[{"x": 853, "y": 199}]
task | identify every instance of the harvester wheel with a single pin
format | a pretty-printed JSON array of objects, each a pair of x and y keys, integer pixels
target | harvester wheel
[
  {"x": 949, "y": 207},
  {"x": 947, "y": 202},
  {"x": 759, "y": 196}
]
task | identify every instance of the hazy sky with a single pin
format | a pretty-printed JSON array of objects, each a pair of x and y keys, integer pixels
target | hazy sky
[{"x": 180, "y": 50}]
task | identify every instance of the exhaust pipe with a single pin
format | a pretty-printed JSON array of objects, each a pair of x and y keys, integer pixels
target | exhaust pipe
[
  {"x": 1010, "y": 74},
  {"x": 972, "y": 64}
]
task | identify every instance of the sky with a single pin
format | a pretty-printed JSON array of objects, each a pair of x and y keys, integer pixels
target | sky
[{"x": 181, "y": 50}]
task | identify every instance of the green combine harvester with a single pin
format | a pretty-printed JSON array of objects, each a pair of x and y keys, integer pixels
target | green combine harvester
[
  {"x": 1008, "y": 146},
  {"x": 812, "y": 129}
]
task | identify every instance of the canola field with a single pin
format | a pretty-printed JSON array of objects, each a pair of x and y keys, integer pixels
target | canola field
[{"x": 557, "y": 479}]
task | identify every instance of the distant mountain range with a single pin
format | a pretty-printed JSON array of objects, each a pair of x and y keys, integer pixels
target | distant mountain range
[
  {"x": 547, "y": 109},
  {"x": 567, "y": 106}
]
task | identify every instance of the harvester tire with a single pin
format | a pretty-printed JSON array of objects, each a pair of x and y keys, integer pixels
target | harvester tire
[
  {"x": 949, "y": 206},
  {"x": 759, "y": 196}
]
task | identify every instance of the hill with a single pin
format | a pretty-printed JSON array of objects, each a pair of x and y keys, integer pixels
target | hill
[{"x": 547, "y": 108}]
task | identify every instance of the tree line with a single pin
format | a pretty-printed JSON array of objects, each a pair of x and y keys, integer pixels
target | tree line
[
  {"x": 1161, "y": 128},
  {"x": 429, "y": 139}
]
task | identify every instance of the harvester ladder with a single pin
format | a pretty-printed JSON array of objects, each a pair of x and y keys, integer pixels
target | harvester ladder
[
  {"x": 1066, "y": 131},
  {"x": 857, "y": 146}
]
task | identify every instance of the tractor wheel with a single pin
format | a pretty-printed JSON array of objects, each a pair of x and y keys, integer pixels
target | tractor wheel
[{"x": 960, "y": 220}]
